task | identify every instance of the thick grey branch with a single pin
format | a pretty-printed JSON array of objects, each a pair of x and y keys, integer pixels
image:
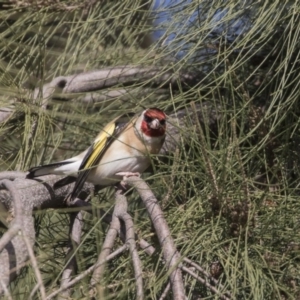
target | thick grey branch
[
  {"x": 12, "y": 244},
  {"x": 125, "y": 75},
  {"x": 32, "y": 195},
  {"x": 129, "y": 75}
]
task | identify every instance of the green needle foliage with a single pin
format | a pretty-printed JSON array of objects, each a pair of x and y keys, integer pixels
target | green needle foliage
[{"x": 230, "y": 192}]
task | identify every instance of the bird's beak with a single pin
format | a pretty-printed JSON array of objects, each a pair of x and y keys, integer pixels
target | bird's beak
[{"x": 154, "y": 124}]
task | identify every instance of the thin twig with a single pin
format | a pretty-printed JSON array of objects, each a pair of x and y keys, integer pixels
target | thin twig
[
  {"x": 200, "y": 269},
  {"x": 204, "y": 282},
  {"x": 214, "y": 280},
  {"x": 145, "y": 246},
  {"x": 106, "y": 249},
  {"x": 107, "y": 246},
  {"x": 74, "y": 241},
  {"x": 36, "y": 287},
  {"x": 88, "y": 271},
  {"x": 166, "y": 291},
  {"x": 5, "y": 290},
  {"x": 35, "y": 268},
  {"x": 130, "y": 239}
]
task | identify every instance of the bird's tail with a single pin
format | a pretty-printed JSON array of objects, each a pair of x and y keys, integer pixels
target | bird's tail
[{"x": 54, "y": 168}]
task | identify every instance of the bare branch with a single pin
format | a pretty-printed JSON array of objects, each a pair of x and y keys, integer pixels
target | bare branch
[
  {"x": 31, "y": 189},
  {"x": 35, "y": 267},
  {"x": 125, "y": 75},
  {"x": 130, "y": 239},
  {"x": 5, "y": 113},
  {"x": 204, "y": 282},
  {"x": 107, "y": 246},
  {"x": 166, "y": 291},
  {"x": 13, "y": 247},
  {"x": 196, "y": 266},
  {"x": 107, "y": 218},
  {"x": 3, "y": 287},
  {"x": 32, "y": 194},
  {"x": 75, "y": 236},
  {"x": 145, "y": 246},
  {"x": 122, "y": 94},
  {"x": 170, "y": 253},
  {"x": 128, "y": 75},
  {"x": 12, "y": 175}
]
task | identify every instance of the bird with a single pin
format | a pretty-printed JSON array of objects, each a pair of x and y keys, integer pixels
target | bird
[{"x": 121, "y": 149}]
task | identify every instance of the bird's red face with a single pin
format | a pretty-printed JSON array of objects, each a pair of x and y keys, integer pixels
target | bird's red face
[{"x": 154, "y": 123}]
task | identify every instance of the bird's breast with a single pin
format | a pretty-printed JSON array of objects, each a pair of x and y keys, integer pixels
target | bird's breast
[{"x": 119, "y": 157}]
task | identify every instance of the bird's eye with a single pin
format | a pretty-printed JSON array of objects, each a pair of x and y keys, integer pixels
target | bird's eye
[
  {"x": 162, "y": 122},
  {"x": 147, "y": 119}
]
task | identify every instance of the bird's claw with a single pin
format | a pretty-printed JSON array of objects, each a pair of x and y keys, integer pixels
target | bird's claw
[{"x": 125, "y": 176}]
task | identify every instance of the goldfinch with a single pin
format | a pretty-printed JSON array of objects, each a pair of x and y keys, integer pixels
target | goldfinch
[{"x": 120, "y": 149}]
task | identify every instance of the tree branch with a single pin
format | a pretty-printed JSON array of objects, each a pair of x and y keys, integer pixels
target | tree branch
[
  {"x": 130, "y": 240},
  {"x": 13, "y": 245},
  {"x": 208, "y": 285},
  {"x": 169, "y": 250},
  {"x": 43, "y": 195},
  {"x": 75, "y": 237},
  {"x": 20, "y": 198},
  {"x": 107, "y": 246},
  {"x": 35, "y": 267},
  {"x": 155, "y": 77}
]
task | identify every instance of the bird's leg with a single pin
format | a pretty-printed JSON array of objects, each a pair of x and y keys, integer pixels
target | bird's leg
[{"x": 126, "y": 175}]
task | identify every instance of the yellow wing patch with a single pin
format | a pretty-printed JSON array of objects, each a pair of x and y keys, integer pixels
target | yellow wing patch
[{"x": 100, "y": 142}]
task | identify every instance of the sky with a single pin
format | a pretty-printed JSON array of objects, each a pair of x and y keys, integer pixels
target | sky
[{"x": 174, "y": 19}]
